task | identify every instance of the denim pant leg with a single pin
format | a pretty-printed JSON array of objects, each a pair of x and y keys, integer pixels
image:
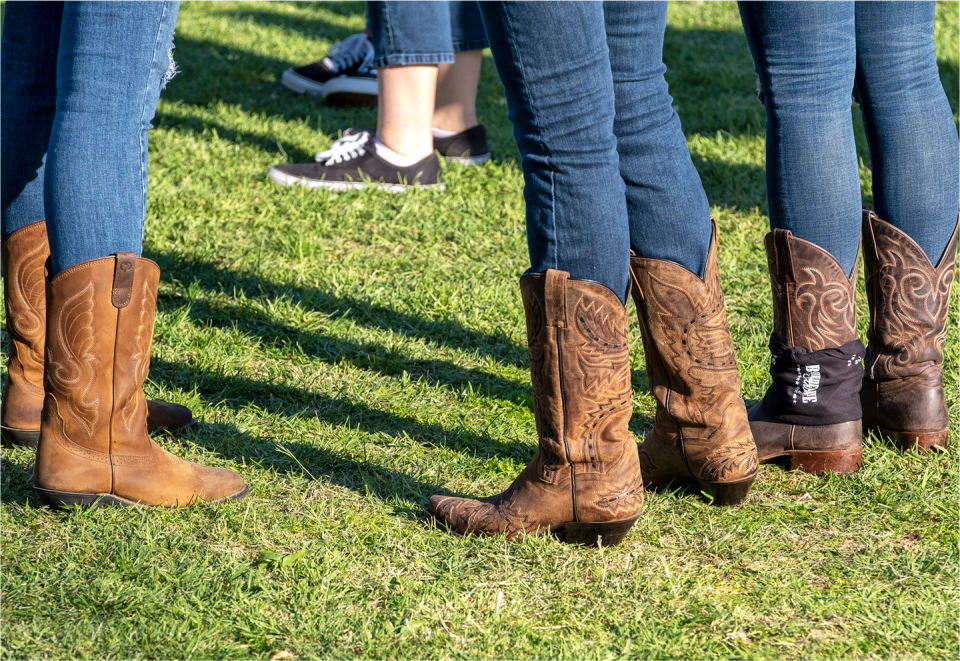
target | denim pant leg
[
  {"x": 114, "y": 58},
  {"x": 28, "y": 100},
  {"x": 805, "y": 55},
  {"x": 555, "y": 67},
  {"x": 666, "y": 205},
  {"x": 914, "y": 149},
  {"x": 406, "y": 33}
]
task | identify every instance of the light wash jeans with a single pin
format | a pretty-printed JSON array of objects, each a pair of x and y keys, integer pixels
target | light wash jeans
[{"x": 79, "y": 85}]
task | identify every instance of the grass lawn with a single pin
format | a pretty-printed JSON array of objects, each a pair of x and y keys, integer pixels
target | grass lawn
[{"x": 353, "y": 353}]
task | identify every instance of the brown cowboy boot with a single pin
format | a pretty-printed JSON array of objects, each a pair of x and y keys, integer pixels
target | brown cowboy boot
[
  {"x": 24, "y": 254},
  {"x": 902, "y": 393},
  {"x": 584, "y": 482},
  {"x": 701, "y": 435},
  {"x": 94, "y": 446},
  {"x": 811, "y": 412}
]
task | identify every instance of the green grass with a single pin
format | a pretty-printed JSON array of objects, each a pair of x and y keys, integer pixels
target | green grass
[{"x": 353, "y": 353}]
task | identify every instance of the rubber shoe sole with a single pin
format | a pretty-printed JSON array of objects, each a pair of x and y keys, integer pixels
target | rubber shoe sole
[
  {"x": 285, "y": 179},
  {"x": 343, "y": 89}
]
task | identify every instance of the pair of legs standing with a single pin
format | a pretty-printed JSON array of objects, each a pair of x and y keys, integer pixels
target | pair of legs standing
[
  {"x": 810, "y": 59},
  {"x": 608, "y": 175},
  {"x": 427, "y": 56},
  {"x": 81, "y": 83}
]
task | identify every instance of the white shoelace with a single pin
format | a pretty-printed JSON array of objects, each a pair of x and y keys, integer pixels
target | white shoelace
[
  {"x": 344, "y": 149},
  {"x": 348, "y": 52}
]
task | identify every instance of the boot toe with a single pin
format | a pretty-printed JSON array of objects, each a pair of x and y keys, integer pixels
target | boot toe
[{"x": 218, "y": 484}]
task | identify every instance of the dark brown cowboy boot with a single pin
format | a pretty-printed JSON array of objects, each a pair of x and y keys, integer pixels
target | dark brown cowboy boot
[
  {"x": 811, "y": 412},
  {"x": 584, "y": 483},
  {"x": 701, "y": 435},
  {"x": 909, "y": 298},
  {"x": 24, "y": 254},
  {"x": 94, "y": 446}
]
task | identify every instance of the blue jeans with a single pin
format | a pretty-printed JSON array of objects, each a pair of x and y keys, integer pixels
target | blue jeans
[
  {"x": 423, "y": 32},
  {"x": 810, "y": 57},
  {"x": 80, "y": 85},
  {"x": 605, "y": 163}
]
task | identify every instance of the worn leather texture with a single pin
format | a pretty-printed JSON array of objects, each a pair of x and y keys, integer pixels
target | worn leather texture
[
  {"x": 93, "y": 434},
  {"x": 24, "y": 255},
  {"x": 814, "y": 308},
  {"x": 909, "y": 299},
  {"x": 701, "y": 429},
  {"x": 585, "y": 468}
]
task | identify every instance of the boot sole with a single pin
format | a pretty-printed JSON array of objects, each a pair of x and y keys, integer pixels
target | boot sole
[
  {"x": 64, "y": 499},
  {"x": 28, "y": 438},
  {"x": 908, "y": 440},
  {"x": 605, "y": 533},
  {"x": 819, "y": 462}
]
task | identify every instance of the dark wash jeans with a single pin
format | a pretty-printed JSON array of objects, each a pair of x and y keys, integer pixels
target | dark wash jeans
[
  {"x": 605, "y": 164},
  {"x": 810, "y": 57},
  {"x": 406, "y": 33},
  {"x": 79, "y": 85}
]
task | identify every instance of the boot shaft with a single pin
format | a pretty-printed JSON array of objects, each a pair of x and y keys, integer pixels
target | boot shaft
[
  {"x": 909, "y": 300},
  {"x": 701, "y": 429},
  {"x": 24, "y": 254},
  {"x": 579, "y": 368},
  {"x": 100, "y": 330},
  {"x": 813, "y": 299},
  {"x": 691, "y": 364}
]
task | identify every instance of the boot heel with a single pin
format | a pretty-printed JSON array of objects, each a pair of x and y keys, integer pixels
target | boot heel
[
  {"x": 28, "y": 438},
  {"x": 819, "y": 462},
  {"x": 607, "y": 533},
  {"x": 908, "y": 440},
  {"x": 63, "y": 499},
  {"x": 727, "y": 494}
]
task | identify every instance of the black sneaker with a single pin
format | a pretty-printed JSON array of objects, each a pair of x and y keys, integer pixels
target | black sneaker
[
  {"x": 466, "y": 148},
  {"x": 345, "y": 75},
  {"x": 353, "y": 163}
]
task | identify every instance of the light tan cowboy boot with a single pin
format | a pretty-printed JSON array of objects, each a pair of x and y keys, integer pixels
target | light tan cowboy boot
[
  {"x": 94, "y": 446},
  {"x": 811, "y": 412},
  {"x": 909, "y": 298},
  {"x": 701, "y": 435},
  {"x": 584, "y": 482},
  {"x": 24, "y": 254}
]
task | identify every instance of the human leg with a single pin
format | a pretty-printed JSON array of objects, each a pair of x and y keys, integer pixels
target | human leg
[
  {"x": 666, "y": 205},
  {"x": 910, "y": 243},
  {"x": 702, "y": 434},
  {"x": 28, "y": 69},
  {"x": 93, "y": 444},
  {"x": 584, "y": 482},
  {"x": 108, "y": 86},
  {"x": 914, "y": 149},
  {"x": 805, "y": 56}
]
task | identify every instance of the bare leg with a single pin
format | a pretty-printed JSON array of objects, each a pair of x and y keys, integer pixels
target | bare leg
[
  {"x": 456, "y": 108},
  {"x": 405, "y": 108}
]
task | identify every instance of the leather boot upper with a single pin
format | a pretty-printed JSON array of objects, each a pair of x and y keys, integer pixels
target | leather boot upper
[
  {"x": 813, "y": 299},
  {"x": 909, "y": 299},
  {"x": 701, "y": 429},
  {"x": 93, "y": 435},
  {"x": 24, "y": 253},
  {"x": 585, "y": 468}
]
